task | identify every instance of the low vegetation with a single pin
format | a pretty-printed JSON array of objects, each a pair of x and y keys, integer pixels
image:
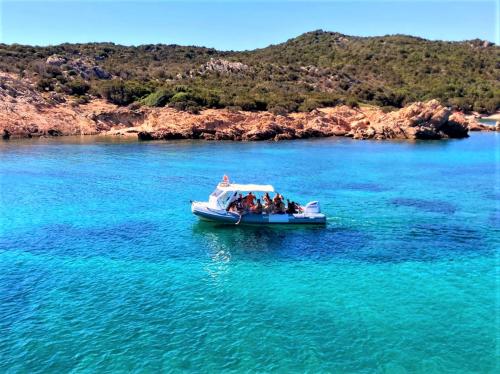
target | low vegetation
[{"x": 313, "y": 70}]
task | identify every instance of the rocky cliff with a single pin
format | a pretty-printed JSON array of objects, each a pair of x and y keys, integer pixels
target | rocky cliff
[{"x": 25, "y": 112}]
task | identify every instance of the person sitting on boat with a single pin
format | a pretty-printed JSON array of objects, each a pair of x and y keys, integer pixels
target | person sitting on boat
[
  {"x": 250, "y": 200},
  {"x": 257, "y": 208},
  {"x": 276, "y": 199},
  {"x": 267, "y": 199},
  {"x": 291, "y": 207},
  {"x": 280, "y": 208},
  {"x": 240, "y": 203},
  {"x": 268, "y": 206}
]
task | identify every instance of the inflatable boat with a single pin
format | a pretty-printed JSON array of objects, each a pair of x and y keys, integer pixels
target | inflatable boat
[{"x": 216, "y": 208}]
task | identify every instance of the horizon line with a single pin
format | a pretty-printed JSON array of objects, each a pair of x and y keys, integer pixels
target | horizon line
[{"x": 246, "y": 50}]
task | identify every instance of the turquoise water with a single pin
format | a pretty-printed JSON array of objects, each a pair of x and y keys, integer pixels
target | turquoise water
[{"x": 102, "y": 266}]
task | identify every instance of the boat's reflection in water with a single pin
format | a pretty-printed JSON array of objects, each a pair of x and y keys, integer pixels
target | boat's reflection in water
[{"x": 229, "y": 243}]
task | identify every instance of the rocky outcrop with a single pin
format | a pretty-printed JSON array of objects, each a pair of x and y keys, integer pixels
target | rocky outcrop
[
  {"x": 476, "y": 126},
  {"x": 56, "y": 60},
  {"x": 86, "y": 68},
  {"x": 419, "y": 120},
  {"x": 25, "y": 112},
  {"x": 221, "y": 66}
]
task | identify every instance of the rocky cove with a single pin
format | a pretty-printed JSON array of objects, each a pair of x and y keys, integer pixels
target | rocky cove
[{"x": 26, "y": 113}]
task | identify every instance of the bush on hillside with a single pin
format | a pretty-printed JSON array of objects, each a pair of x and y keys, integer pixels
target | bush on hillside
[
  {"x": 460, "y": 103},
  {"x": 249, "y": 103},
  {"x": 77, "y": 87},
  {"x": 122, "y": 92},
  {"x": 352, "y": 102},
  {"x": 486, "y": 105},
  {"x": 159, "y": 98},
  {"x": 278, "y": 110},
  {"x": 320, "y": 101},
  {"x": 45, "y": 84},
  {"x": 186, "y": 106},
  {"x": 387, "y": 71}
]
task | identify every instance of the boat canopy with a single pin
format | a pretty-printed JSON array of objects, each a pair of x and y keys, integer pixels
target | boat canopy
[{"x": 245, "y": 187}]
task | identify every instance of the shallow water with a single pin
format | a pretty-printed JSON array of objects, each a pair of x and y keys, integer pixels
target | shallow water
[{"x": 102, "y": 266}]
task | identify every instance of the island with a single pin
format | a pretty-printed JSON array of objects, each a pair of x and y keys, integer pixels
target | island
[{"x": 319, "y": 84}]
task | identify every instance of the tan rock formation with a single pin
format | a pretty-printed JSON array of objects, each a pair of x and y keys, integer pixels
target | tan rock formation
[{"x": 24, "y": 112}]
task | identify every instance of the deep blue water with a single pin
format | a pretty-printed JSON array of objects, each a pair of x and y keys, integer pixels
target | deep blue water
[{"x": 102, "y": 266}]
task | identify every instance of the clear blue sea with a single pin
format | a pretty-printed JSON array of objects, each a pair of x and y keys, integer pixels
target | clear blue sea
[{"x": 103, "y": 267}]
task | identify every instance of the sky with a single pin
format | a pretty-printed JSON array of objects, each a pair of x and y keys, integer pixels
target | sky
[{"x": 239, "y": 24}]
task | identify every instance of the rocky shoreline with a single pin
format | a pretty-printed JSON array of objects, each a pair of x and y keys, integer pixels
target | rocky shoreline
[{"x": 26, "y": 113}]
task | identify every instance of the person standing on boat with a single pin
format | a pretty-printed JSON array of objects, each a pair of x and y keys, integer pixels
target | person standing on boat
[
  {"x": 291, "y": 207},
  {"x": 232, "y": 201}
]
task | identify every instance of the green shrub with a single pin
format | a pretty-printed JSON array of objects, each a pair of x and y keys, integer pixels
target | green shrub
[
  {"x": 486, "y": 106},
  {"x": 78, "y": 87},
  {"x": 181, "y": 97},
  {"x": 186, "y": 106},
  {"x": 79, "y": 100},
  {"x": 159, "y": 98},
  {"x": 278, "y": 110},
  {"x": 460, "y": 103},
  {"x": 210, "y": 99},
  {"x": 492, "y": 105},
  {"x": 249, "y": 103},
  {"x": 122, "y": 92},
  {"x": 45, "y": 84},
  {"x": 202, "y": 98},
  {"x": 389, "y": 99},
  {"x": 320, "y": 101},
  {"x": 352, "y": 102}
]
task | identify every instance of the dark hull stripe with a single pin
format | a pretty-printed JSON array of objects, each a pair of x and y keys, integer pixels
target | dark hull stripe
[{"x": 254, "y": 219}]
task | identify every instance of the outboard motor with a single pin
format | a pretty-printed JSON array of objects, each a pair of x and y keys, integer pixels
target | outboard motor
[{"x": 312, "y": 207}]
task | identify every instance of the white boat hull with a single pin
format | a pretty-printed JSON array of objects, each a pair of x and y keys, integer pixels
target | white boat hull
[{"x": 206, "y": 213}]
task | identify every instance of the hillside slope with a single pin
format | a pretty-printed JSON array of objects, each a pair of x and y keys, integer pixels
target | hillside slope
[{"x": 316, "y": 69}]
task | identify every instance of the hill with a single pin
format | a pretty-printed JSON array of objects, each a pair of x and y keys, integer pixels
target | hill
[{"x": 316, "y": 69}]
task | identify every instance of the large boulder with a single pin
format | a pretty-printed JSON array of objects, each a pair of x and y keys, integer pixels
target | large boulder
[
  {"x": 420, "y": 120},
  {"x": 56, "y": 60},
  {"x": 263, "y": 132}
]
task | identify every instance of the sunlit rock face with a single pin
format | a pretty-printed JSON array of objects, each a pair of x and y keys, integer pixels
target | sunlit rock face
[{"x": 26, "y": 112}]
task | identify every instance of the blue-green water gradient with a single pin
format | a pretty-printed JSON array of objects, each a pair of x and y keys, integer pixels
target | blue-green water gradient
[{"x": 103, "y": 267}]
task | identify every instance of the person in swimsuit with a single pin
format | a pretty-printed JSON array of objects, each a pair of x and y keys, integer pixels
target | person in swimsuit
[
  {"x": 257, "y": 208},
  {"x": 278, "y": 206},
  {"x": 250, "y": 200},
  {"x": 267, "y": 199}
]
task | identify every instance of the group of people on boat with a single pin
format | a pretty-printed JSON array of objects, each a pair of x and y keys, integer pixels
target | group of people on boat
[{"x": 251, "y": 204}]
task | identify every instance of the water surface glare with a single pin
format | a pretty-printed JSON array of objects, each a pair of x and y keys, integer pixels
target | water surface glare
[{"x": 103, "y": 267}]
